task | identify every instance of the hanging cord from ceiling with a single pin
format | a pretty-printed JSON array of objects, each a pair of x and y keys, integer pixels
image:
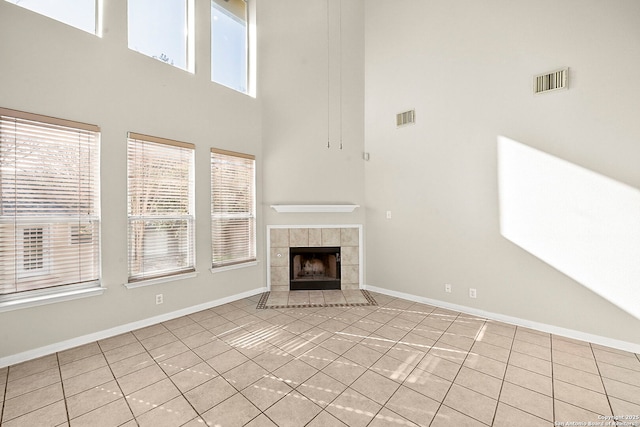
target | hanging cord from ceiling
[
  {"x": 328, "y": 81},
  {"x": 329, "y": 73},
  {"x": 340, "y": 69}
]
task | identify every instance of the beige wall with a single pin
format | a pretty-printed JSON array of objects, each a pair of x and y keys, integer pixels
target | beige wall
[
  {"x": 52, "y": 69},
  {"x": 467, "y": 69},
  {"x": 299, "y": 91}
]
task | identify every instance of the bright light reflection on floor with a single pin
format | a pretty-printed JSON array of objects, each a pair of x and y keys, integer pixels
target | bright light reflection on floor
[{"x": 583, "y": 224}]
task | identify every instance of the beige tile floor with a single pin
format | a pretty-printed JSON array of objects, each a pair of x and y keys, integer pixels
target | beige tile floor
[{"x": 396, "y": 364}]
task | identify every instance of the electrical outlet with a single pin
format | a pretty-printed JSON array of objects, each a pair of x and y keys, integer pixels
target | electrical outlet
[
  {"x": 159, "y": 299},
  {"x": 447, "y": 288},
  {"x": 388, "y": 214},
  {"x": 472, "y": 293}
]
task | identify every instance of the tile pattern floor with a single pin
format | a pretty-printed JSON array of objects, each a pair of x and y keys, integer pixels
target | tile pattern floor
[{"x": 396, "y": 364}]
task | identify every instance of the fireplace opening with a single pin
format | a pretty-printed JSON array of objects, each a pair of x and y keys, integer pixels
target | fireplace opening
[{"x": 314, "y": 268}]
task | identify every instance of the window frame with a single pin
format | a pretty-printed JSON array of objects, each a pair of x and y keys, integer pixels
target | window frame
[
  {"x": 251, "y": 258},
  {"x": 58, "y": 291},
  {"x": 151, "y": 276}
]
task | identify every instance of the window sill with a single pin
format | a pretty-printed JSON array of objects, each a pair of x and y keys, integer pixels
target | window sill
[
  {"x": 233, "y": 267},
  {"x": 49, "y": 298},
  {"x": 157, "y": 280}
]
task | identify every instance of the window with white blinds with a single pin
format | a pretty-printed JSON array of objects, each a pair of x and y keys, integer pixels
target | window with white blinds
[
  {"x": 233, "y": 219},
  {"x": 160, "y": 206},
  {"x": 49, "y": 205}
]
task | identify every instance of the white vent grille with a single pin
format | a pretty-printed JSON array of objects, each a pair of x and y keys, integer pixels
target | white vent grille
[
  {"x": 551, "y": 81},
  {"x": 406, "y": 118}
]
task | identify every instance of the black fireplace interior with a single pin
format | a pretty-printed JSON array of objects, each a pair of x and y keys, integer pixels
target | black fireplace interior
[{"x": 314, "y": 268}]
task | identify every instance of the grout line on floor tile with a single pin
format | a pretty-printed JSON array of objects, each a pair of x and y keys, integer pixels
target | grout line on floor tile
[
  {"x": 601, "y": 380},
  {"x": 493, "y": 420}
]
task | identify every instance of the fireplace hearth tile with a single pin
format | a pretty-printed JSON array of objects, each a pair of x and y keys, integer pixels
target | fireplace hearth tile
[
  {"x": 280, "y": 288},
  {"x": 326, "y": 298},
  {"x": 316, "y": 298},
  {"x": 352, "y": 296},
  {"x": 299, "y": 298},
  {"x": 335, "y": 297}
]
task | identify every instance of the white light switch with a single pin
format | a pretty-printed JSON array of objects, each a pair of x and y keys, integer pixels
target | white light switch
[{"x": 388, "y": 214}]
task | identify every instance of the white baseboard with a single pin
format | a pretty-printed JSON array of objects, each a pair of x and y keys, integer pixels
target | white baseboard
[
  {"x": 556, "y": 330},
  {"x": 86, "y": 339}
]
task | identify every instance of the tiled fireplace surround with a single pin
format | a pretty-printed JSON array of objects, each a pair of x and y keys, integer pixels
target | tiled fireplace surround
[{"x": 281, "y": 238}]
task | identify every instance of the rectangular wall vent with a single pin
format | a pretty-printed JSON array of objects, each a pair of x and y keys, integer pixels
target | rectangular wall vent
[
  {"x": 551, "y": 81},
  {"x": 406, "y": 118}
]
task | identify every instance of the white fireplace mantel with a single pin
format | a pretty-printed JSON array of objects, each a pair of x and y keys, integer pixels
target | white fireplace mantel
[{"x": 314, "y": 208}]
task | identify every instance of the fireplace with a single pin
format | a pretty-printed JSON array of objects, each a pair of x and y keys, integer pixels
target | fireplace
[
  {"x": 313, "y": 268},
  {"x": 282, "y": 238}
]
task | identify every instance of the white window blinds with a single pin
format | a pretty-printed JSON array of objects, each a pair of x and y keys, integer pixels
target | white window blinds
[
  {"x": 49, "y": 203},
  {"x": 160, "y": 206},
  {"x": 233, "y": 219}
]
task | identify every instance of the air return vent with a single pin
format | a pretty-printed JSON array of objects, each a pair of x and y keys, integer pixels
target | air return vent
[
  {"x": 406, "y": 118},
  {"x": 551, "y": 81}
]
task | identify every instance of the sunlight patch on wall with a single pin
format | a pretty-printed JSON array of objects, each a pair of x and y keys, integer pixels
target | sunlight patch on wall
[{"x": 583, "y": 224}]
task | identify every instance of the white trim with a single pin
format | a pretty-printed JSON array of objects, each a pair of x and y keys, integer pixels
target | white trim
[
  {"x": 163, "y": 279},
  {"x": 107, "y": 333},
  {"x": 191, "y": 36},
  {"x": 215, "y": 270},
  {"x": 49, "y": 298},
  {"x": 543, "y": 327},
  {"x": 360, "y": 247},
  {"x": 314, "y": 208}
]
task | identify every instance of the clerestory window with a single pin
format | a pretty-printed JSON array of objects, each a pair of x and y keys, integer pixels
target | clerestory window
[
  {"x": 82, "y": 14},
  {"x": 229, "y": 44},
  {"x": 163, "y": 30}
]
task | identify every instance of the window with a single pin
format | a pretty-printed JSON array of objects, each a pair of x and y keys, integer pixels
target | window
[
  {"x": 233, "y": 219},
  {"x": 49, "y": 171},
  {"x": 229, "y": 43},
  {"x": 163, "y": 32},
  {"x": 160, "y": 206},
  {"x": 81, "y": 14}
]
